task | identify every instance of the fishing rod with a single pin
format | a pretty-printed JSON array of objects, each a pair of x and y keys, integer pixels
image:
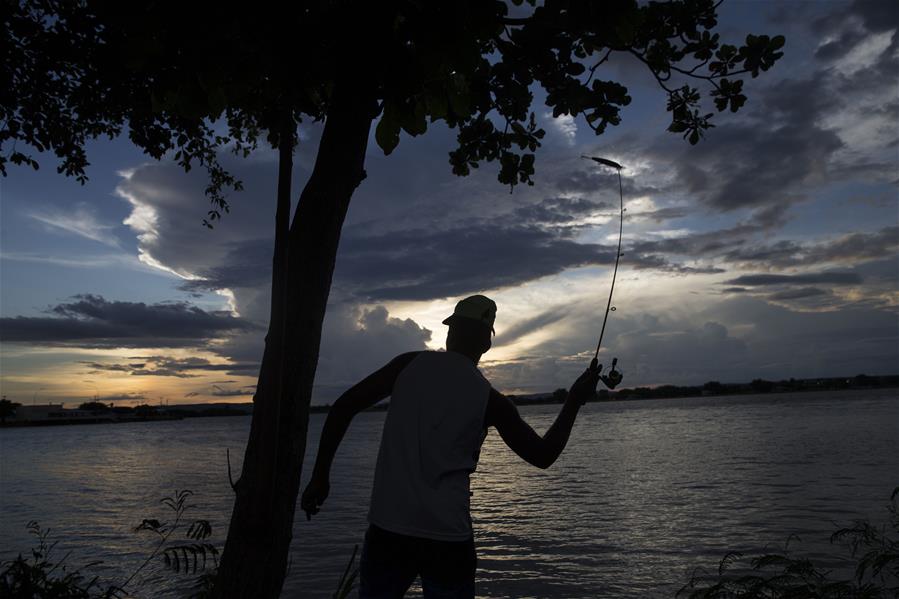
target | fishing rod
[{"x": 614, "y": 377}]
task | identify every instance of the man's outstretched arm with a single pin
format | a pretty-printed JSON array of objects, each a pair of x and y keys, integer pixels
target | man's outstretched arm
[
  {"x": 522, "y": 439},
  {"x": 360, "y": 396}
]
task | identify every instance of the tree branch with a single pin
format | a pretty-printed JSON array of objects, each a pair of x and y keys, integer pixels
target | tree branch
[
  {"x": 596, "y": 66},
  {"x": 516, "y": 22}
]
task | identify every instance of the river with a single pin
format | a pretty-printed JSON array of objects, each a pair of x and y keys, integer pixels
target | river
[{"x": 645, "y": 492}]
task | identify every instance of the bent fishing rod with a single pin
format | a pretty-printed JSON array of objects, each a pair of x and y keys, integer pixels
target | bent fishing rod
[{"x": 614, "y": 377}]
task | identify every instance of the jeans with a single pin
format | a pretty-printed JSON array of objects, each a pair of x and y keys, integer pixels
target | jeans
[{"x": 390, "y": 562}]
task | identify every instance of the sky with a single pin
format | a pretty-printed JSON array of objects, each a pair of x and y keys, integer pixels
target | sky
[{"x": 769, "y": 250}]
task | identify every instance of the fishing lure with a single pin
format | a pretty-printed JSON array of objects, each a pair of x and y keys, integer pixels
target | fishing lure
[{"x": 614, "y": 376}]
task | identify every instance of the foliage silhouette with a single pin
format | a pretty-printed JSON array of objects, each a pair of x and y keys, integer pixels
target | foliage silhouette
[
  {"x": 780, "y": 575},
  {"x": 188, "y": 557},
  {"x": 7, "y": 409},
  {"x": 41, "y": 577}
]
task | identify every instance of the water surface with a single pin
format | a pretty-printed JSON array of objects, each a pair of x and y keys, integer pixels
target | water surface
[{"x": 645, "y": 491}]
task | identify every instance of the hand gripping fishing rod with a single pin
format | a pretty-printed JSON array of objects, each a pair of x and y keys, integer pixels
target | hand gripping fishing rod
[{"x": 614, "y": 377}]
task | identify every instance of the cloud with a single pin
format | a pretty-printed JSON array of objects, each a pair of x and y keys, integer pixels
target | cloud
[
  {"x": 587, "y": 179},
  {"x": 530, "y": 241},
  {"x": 81, "y": 222},
  {"x": 565, "y": 126},
  {"x": 802, "y": 293},
  {"x": 165, "y": 366},
  {"x": 749, "y": 165},
  {"x": 92, "y": 321},
  {"x": 76, "y": 261},
  {"x": 850, "y": 249},
  {"x": 829, "y": 120},
  {"x": 247, "y": 391},
  {"x": 662, "y": 214},
  {"x": 120, "y": 397},
  {"x": 833, "y": 278},
  {"x": 417, "y": 265},
  {"x": 715, "y": 242},
  {"x": 357, "y": 340}
]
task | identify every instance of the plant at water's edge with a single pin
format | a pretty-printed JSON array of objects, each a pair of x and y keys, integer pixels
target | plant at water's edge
[
  {"x": 779, "y": 575},
  {"x": 345, "y": 586},
  {"x": 877, "y": 554},
  {"x": 39, "y": 577},
  {"x": 188, "y": 557}
]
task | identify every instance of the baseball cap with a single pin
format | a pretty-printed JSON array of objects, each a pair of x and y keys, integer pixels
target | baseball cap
[{"x": 475, "y": 307}]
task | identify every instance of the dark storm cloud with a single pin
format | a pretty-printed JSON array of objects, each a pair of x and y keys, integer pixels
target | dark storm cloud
[
  {"x": 121, "y": 397},
  {"x": 737, "y": 245},
  {"x": 716, "y": 242},
  {"x": 662, "y": 214},
  {"x": 875, "y": 15},
  {"x": 92, "y": 321},
  {"x": 792, "y": 294},
  {"x": 797, "y": 101},
  {"x": 852, "y": 248},
  {"x": 555, "y": 211},
  {"x": 434, "y": 264},
  {"x": 840, "y": 46},
  {"x": 164, "y": 366},
  {"x": 527, "y": 242},
  {"x": 246, "y": 264},
  {"x": 588, "y": 180},
  {"x": 430, "y": 264},
  {"x": 832, "y": 278},
  {"x": 795, "y": 132},
  {"x": 223, "y": 392},
  {"x": 766, "y": 158},
  {"x": 748, "y": 165}
]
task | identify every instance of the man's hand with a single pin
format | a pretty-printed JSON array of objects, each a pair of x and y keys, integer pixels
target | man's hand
[
  {"x": 585, "y": 386},
  {"x": 314, "y": 496}
]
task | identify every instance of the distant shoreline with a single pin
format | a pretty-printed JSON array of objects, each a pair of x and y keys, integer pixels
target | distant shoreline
[{"x": 712, "y": 389}]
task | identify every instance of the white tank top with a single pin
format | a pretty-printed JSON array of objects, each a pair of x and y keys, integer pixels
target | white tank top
[{"x": 431, "y": 443}]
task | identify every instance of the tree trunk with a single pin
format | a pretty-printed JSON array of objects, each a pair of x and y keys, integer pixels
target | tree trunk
[{"x": 254, "y": 561}]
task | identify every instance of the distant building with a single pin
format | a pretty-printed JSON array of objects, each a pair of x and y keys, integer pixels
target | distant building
[{"x": 40, "y": 412}]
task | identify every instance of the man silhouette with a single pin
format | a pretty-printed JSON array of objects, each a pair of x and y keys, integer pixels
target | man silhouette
[{"x": 440, "y": 408}]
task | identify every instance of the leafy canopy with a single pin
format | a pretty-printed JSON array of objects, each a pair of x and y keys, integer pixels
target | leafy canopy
[{"x": 190, "y": 79}]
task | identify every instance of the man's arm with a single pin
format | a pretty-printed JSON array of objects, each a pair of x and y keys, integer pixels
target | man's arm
[
  {"x": 360, "y": 396},
  {"x": 522, "y": 439}
]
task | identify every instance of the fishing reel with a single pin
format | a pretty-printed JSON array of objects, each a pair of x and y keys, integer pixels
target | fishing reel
[{"x": 614, "y": 377}]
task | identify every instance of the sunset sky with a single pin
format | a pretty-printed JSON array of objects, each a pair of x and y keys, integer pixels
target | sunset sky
[{"x": 769, "y": 250}]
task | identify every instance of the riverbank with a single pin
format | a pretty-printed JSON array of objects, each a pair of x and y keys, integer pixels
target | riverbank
[
  {"x": 69, "y": 421},
  {"x": 710, "y": 389}
]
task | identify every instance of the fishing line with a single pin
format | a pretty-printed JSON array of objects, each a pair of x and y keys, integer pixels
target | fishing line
[{"x": 609, "y": 307}]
